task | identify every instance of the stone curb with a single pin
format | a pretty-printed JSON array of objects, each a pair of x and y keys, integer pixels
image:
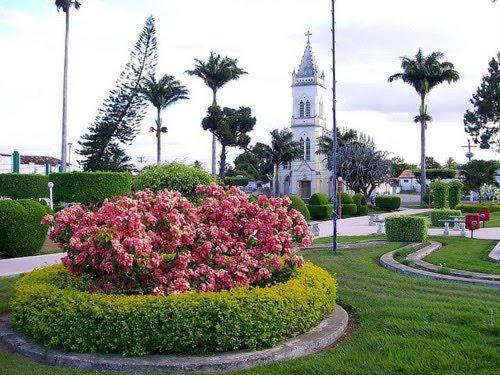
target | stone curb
[
  {"x": 418, "y": 256},
  {"x": 387, "y": 261},
  {"x": 328, "y": 332},
  {"x": 494, "y": 255}
]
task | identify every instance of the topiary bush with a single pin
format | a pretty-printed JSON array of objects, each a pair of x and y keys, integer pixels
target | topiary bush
[
  {"x": 299, "y": 205},
  {"x": 349, "y": 209},
  {"x": 21, "y": 231},
  {"x": 388, "y": 202},
  {"x": 437, "y": 215},
  {"x": 320, "y": 212},
  {"x": 49, "y": 306},
  {"x": 362, "y": 210},
  {"x": 439, "y": 194},
  {"x": 345, "y": 198},
  {"x": 235, "y": 181},
  {"x": 172, "y": 176},
  {"x": 23, "y": 186},
  {"x": 428, "y": 198},
  {"x": 474, "y": 208},
  {"x": 455, "y": 193},
  {"x": 319, "y": 199},
  {"x": 406, "y": 229},
  {"x": 359, "y": 199},
  {"x": 89, "y": 187}
]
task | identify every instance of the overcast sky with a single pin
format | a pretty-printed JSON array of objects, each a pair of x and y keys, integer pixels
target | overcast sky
[{"x": 268, "y": 39}]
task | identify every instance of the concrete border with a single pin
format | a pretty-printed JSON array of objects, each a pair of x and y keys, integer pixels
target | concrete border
[
  {"x": 387, "y": 261},
  {"x": 327, "y": 333},
  {"x": 494, "y": 255}
]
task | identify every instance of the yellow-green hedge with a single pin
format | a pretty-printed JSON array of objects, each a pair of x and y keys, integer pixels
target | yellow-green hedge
[{"x": 49, "y": 306}]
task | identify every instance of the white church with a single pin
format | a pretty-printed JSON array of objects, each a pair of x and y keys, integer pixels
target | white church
[{"x": 307, "y": 175}]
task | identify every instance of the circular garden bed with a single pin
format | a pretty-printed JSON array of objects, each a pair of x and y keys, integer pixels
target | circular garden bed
[{"x": 51, "y": 307}]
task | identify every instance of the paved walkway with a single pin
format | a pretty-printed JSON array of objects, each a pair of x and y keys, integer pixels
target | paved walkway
[{"x": 15, "y": 266}]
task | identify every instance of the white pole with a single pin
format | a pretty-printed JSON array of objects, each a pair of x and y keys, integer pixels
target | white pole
[{"x": 51, "y": 186}]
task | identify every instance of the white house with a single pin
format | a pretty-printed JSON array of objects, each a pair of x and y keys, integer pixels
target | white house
[
  {"x": 29, "y": 164},
  {"x": 309, "y": 174}
]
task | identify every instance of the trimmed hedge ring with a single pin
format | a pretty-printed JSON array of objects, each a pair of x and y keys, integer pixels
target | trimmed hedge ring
[{"x": 49, "y": 306}]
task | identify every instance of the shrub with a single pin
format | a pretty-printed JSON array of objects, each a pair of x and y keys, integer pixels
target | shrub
[
  {"x": 173, "y": 176},
  {"x": 439, "y": 194},
  {"x": 345, "y": 198},
  {"x": 21, "y": 231},
  {"x": 160, "y": 243},
  {"x": 321, "y": 212},
  {"x": 474, "y": 208},
  {"x": 319, "y": 199},
  {"x": 437, "y": 215},
  {"x": 235, "y": 181},
  {"x": 349, "y": 209},
  {"x": 23, "y": 186},
  {"x": 362, "y": 210},
  {"x": 359, "y": 199},
  {"x": 428, "y": 198},
  {"x": 435, "y": 173},
  {"x": 49, "y": 306},
  {"x": 299, "y": 205},
  {"x": 89, "y": 187},
  {"x": 406, "y": 229},
  {"x": 455, "y": 193},
  {"x": 388, "y": 202}
]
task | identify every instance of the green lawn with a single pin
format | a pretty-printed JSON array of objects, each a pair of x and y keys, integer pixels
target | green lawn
[
  {"x": 405, "y": 325},
  {"x": 465, "y": 254}
]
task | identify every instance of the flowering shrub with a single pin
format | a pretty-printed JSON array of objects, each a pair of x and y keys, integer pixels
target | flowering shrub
[{"x": 160, "y": 243}]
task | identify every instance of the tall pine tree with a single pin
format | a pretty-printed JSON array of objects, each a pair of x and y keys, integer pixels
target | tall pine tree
[
  {"x": 483, "y": 122},
  {"x": 118, "y": 120}
]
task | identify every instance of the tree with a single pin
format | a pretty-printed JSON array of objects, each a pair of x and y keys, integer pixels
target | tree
[
  {"x": 215, "y": 73},
  {"x": 283, "y": 150},
  {"x": 325, "y": 144},
  {"x": 424, "y": 73},
  {"x": 230, "y": 127},
  {"x": 450, "y": 163},
  {"x": 161, "y": 94},
  {"x": 253, "y": 166},
  {"x": 398, "y": 165},
  {"x": 479, "y": 172},
  {"x": 431, "y": 163},
  {"x": 483, "y": 122},
  {"x": 65, "y": 6},
  {"x": 118, "y": 119},
  {"x": 362, "y": 167}
]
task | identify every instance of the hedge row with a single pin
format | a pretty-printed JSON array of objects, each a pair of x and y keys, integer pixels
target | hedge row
[
  {"x": 48, "y": 306},
  {"x": 23, "y": 186},
  {"x": 388, "y": 202},
  {"x": 474, "y": 208},
  {"x": 406, "y": 229},
  {"x": 455, "y": 193},
  {"x": 172, "y": 176},
  {"x": 321, "y": 212},
  {"x": 21, "y": 233},
  {"x": 299, "y": 205},
  {"x": 440, "y": 194},
  {"x": 437, "y": 215},
  {"x": 236, "y": 181}
]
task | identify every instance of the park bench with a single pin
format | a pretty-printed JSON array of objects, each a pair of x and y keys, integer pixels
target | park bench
[
  {"x": 380, "y": 225},
  {"x": 458, "y": 225},
  {"x": 372, "y": 218}
]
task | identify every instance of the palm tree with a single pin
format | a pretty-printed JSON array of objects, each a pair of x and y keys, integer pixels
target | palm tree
[
  {"x": 283, "y": 150},
  {"x": 162, "y": 93},
  {"x": 65, "y": 5},
  {"x": 325, "y": 144},
  {"x": 215, "y": 73},
  {"x": 424, "y": 73}
]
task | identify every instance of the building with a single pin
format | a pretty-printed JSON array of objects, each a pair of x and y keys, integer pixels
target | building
[
  {"x": 309, "y": 174},
  {"x": 29, "y": 164}
]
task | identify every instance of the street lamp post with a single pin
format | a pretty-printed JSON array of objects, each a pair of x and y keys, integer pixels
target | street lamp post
[
  {"x": 334, "y": 137},
  {"x": 69, "y": 156}
]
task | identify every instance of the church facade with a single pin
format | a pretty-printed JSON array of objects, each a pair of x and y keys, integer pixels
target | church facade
[{"x": 309, "y": 174}]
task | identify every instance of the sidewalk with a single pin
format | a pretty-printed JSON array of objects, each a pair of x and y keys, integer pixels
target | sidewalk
[{"x": 15, "y": 266}]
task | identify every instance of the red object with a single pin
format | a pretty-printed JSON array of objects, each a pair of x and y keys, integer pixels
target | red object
[
  {"x": 484, "y": 216},
  {"x": 472, "y": 222}
]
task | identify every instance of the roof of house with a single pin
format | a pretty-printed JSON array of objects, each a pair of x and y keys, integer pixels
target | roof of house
[
  {"x": 39, "y": 160},
  {"x": 406, "y": 174}
]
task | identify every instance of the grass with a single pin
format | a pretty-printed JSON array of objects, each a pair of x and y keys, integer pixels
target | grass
[
  {"x": 465, "y": 254},
  {"x": 405, "y": 325},
  {"x": 49, "y": 247},
  {"x": 349, "y": 239}
]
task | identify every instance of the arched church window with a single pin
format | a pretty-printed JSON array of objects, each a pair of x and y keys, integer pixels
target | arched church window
[
  {"x": 308, "y": 149},
  {"x": 301, "y": 109},
  {"x": 303, "y": 147},
  {"x": 308, "y": 108}
]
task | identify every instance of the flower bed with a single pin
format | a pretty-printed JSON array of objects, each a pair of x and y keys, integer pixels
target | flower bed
[{"x": 52, "y": 307}]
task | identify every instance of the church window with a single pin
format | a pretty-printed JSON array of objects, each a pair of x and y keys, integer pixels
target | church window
[
  {"x": 303, "y": 147},
  {"x": 308, "y": 149},
  {"x": 301, "y": 109},
  {"x": 308, "y": 108}
]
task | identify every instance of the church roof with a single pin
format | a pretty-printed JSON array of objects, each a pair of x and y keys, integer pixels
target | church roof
[{"x": 308, "y": 65}]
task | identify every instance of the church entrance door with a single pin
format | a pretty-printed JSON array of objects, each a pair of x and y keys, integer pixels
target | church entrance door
[{"x": 305, "y": 189}]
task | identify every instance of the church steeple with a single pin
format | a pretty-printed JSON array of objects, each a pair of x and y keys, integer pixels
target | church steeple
[{"x": 308, "y": 72}]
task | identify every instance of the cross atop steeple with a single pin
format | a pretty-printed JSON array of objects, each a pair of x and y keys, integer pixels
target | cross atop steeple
[{"x": 308, "y": 34}]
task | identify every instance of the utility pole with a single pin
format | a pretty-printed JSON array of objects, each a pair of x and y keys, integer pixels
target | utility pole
[
  {"x": 68, "y": 167},
  {"x": 334, "y": 137}
]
